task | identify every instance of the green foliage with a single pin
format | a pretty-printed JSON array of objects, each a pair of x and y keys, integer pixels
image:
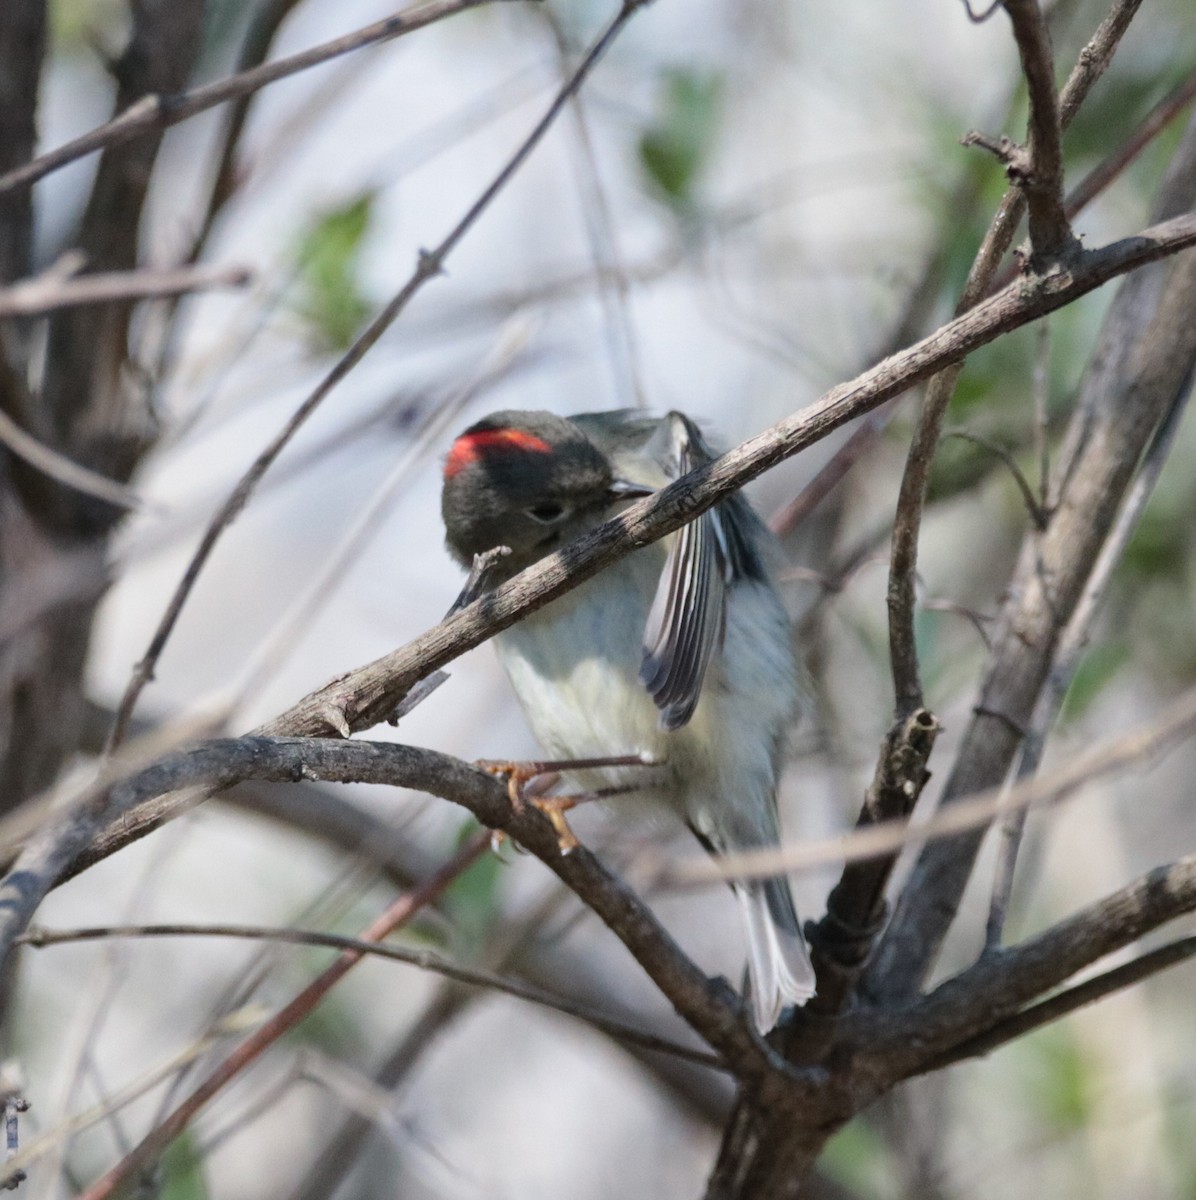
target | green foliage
[
  {"x": 1111, "y": 111},
  {"x": 1062, "y": 1089},
  {"x": 473, "y": 898},
  {"x": 1097, "y": 668},
  {"x": 77, "y": 25},
  {"x": 678, "y": 144},
  {"x": 1160, "y": 547},
  {"x": 327, "y": 256},
  {"x": 959, "y": 465},
  {"x": 858, "y": 1158},
  {"x": 182, "y": 1170}
]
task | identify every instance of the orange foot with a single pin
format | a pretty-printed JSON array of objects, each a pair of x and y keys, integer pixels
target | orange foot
[{"x": 527, "y": 783}]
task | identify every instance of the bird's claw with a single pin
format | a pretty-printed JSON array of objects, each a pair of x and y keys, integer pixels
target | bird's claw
[{"x": 528, "y": 781}]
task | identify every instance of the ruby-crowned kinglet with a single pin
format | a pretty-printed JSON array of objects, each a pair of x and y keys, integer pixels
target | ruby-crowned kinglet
[{"x": 680, "y": 652}]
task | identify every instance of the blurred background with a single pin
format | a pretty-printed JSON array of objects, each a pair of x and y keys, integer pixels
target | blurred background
[{"x": 749, "y": 203}]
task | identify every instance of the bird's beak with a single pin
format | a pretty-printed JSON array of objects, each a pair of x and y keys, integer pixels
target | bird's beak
[{"x": 624, "y": 489}]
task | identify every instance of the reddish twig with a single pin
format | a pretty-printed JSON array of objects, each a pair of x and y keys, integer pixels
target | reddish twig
[{"x": 397, "y": 915}]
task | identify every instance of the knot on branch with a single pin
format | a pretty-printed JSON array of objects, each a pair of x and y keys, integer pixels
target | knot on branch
[
  {"x": 838, "y": 940},
  {"x": 856, "y": 910},
  {"x": 901, "y": 771},
  {"x": 1013, "y": 156}
]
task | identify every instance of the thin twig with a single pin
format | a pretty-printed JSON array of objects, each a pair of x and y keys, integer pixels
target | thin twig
[
  {"x": 159, "y": 112},
  {"x": 610, "y": 274},
  {"x": 1067, "y": 1002},
  {"x": 259, "y": 37},
  {"x": 430, "y": 263},
  {"x": 49, "y": 293},
  {"x": 978, "y": 18},
  {"x": 425, "y": 960},
  {"x": 915, "y": 481},
  {"x": 1094, "y": 58},
  {"x": 1038, "y": 515},
  {"x": 913, "y": 1038},
  {"x": 287, "y": 630},
  {"x": 1176, "y": 725},
  {"x": 65, "y": 470},
  {"x": 1072, "y": 644},
  {"x": 1151, "y": 125},
  {"x": 397, "y": 915}
]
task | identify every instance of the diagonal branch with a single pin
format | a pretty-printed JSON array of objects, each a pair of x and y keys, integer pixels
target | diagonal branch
[
  {"x": 1066, "y": 1002},
  {"x": 49, "y": 292},
  {"x": 158, "y": 112},
  {"x": 430, "y": 263},
  {"x": 1147, "y": 346},
  {"x": 710, "y": 1007},
  {"x": 367, "y": 696},
  {"x": 1001, "y": 984}
]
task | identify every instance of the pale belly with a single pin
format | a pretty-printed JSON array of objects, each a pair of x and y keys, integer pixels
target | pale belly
[{"x": 574, "y": 666}]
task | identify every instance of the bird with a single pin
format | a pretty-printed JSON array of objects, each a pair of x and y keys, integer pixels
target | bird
[{"x": 681, "y": 652}]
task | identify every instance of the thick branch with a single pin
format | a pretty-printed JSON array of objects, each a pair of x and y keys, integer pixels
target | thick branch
[
  {"x": 1066, "y": 1002},
  {"x": 842, "y": 940},
  {"x": 368, "y": 695},
  {"x": 22, "y": 47},
  {"x": 1041, "y": 177},
  {"x": 429, "y": 264},
  {"x": 1002, "y": 983},
  {"x": 712, "y": 1010},
  {"x": 1147, "y": 346}
]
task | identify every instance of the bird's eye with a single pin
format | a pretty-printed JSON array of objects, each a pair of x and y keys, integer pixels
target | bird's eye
[{"x": 548, "y": 513}]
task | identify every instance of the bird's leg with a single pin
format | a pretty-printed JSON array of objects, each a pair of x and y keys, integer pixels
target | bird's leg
[
  {"x": 555, "y": 807},
  {"x": 527, "y": 783}
]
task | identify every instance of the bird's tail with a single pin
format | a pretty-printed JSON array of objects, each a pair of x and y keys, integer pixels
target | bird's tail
[{"x": 779, "y": 966}]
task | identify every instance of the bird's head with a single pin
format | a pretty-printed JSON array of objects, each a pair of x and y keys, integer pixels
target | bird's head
[{"x": 528, "y": 480}]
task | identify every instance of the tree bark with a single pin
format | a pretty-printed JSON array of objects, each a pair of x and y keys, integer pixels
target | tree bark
[{"x": 52, "y": 539}]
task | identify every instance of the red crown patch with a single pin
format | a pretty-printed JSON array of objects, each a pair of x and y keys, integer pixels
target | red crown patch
[{"x": 472, "y": 447}]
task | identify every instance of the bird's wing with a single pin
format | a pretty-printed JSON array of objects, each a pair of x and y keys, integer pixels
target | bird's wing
[{"x": 688, "y": 616}]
